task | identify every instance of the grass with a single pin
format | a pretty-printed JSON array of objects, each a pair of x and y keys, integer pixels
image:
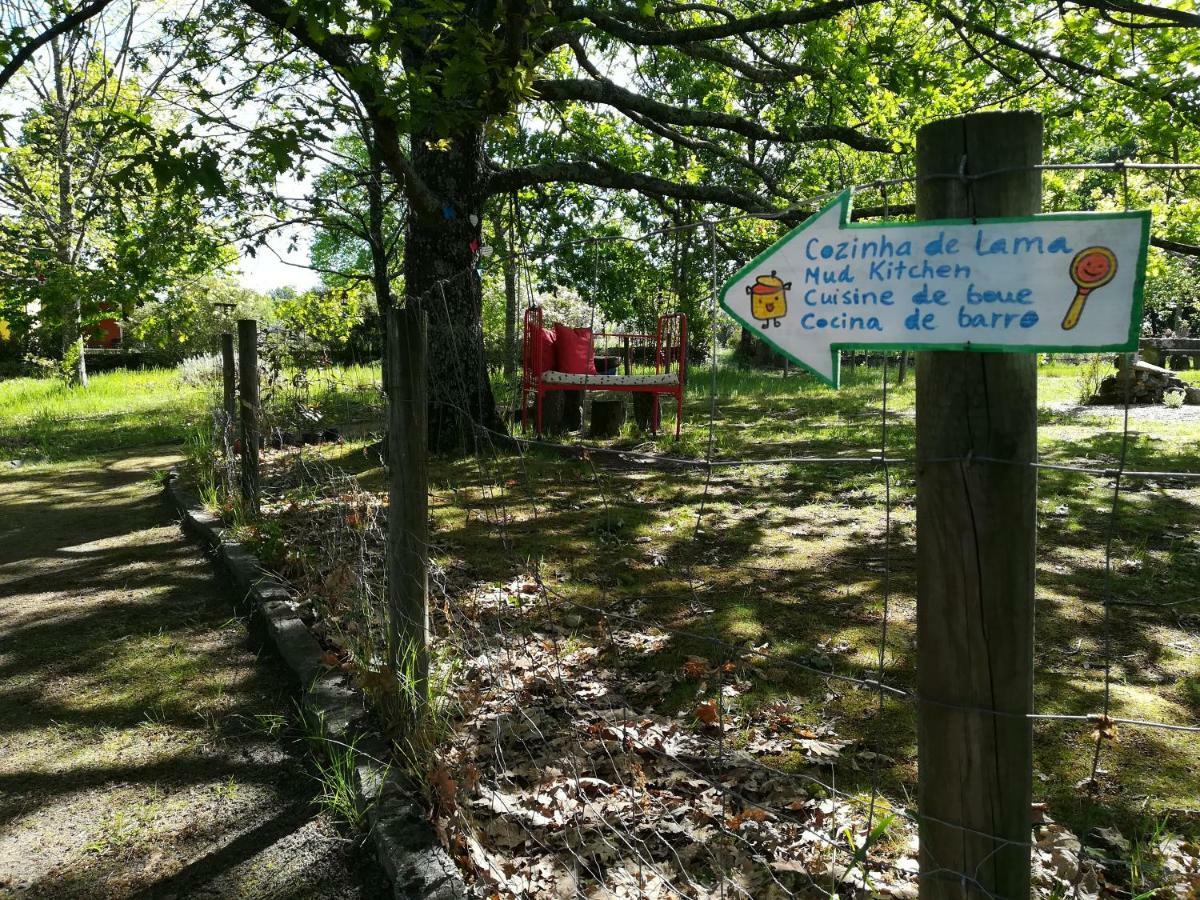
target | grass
[
  {"x": 335, "y": 763},
  {"x": 791, "y": 556},
  {"x": 45, "y": 419}
]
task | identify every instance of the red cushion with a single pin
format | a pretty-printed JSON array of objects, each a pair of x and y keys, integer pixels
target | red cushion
[
  {"x": 574, "y": 350},
  {"x": 539, "y": 350}
]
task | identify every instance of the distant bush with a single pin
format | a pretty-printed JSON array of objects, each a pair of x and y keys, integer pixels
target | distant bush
[
  {"x": 198, "y": 370},
  {"x": 1090, "y": 376},
  {"x": 325, "y": 316},
  {"x": 186, "y": 323}
]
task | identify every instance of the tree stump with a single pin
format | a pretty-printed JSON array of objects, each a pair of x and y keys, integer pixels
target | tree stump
[
  {"x": 572, "y": 410},
  {"x": 553, "y": 412},
  {"x": 644, "y": 404},
  {"x": 608, "y": 415},
  {"x": 607, "y": 365}
]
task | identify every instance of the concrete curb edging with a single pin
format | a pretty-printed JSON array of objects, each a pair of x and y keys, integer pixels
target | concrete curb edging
[{"x": 405, "y": 844}]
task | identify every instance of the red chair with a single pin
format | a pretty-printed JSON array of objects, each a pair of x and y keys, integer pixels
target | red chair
[{"x": 669, "y": 343}]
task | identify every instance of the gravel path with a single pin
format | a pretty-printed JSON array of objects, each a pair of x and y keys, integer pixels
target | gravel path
[{"x": 139, "y": 735}]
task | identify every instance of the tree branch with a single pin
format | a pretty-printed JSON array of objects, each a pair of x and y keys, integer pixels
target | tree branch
[
  {"x": 1175, "y": 246},
  {"x": 337, "y": 51},
  {"x": 606, "y": 176},
  {"x": 1040, "y": 55},
  {"x": 697, "y": 144},
  {"x": 782, "y": 73},
  {"x": 64, "y": 25},
  {"x": 1128, "y": 7},
  {"x": 611, "y": 94},
  {"x": 651, "y": 34}
]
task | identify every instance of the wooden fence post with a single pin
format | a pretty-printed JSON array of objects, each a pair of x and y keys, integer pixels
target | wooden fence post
[
  {"x": 975, "y": 547},
  {"x": 407, "y": 557},
  {"x": 248, "y": 390},
  {"x": 229, "y": 380}
]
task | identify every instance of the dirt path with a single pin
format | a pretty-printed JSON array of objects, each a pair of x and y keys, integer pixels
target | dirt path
[{"x": 138, "y": 747}]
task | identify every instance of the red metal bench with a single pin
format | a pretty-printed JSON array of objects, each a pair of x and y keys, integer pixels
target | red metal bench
[{"x": 668, "y": 346}]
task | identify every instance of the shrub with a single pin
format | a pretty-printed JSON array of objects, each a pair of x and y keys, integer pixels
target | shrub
[
  {"x": 199, "y": 370},
  {"x": 1090, "y": 377},
  {"x": 186, "y": 324}
]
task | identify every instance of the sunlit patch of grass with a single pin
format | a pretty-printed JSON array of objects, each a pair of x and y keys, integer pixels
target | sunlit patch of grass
[
  {"x": 47, "y": 419},
  {"x": 335, "y": 763},
  {"x": 44, "y": 418}
]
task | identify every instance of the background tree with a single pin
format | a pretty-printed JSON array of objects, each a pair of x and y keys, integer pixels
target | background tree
[
  {"x": 104, "y": 231},
  {"x": 715, "y": 105},
  {"x": 184, "y": 320},
  {"x": 751, "y": 104}
]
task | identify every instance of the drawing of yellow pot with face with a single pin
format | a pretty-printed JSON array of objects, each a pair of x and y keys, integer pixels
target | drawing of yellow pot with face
[{"x": 768, "y": 298}]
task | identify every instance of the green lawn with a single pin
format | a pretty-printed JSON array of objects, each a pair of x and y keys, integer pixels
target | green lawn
[{"x": 44, "y": 419}]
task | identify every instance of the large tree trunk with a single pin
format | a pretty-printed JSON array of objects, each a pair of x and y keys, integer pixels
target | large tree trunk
[{"x": 440, "y": 256}]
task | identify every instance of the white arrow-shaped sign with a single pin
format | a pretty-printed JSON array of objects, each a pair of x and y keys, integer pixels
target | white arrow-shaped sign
[{"x": 1063, "y": 281}]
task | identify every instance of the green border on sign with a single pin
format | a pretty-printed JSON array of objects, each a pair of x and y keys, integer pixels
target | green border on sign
[{"x": 844, "y": 224}]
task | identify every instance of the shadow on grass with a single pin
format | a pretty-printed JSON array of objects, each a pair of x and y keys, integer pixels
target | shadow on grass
[{"x": 795, "y": 559}]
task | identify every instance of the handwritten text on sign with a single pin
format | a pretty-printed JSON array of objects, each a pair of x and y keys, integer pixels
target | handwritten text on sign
[{"x": 1068, "y": 281}]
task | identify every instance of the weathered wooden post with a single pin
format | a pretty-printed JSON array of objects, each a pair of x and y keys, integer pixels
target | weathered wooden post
[
  {"x": 975, "y": 546},
  {"x": 229, "y": 382},
  {"x": 408, "y": 506},
  {"x": 248, "y": 391}
]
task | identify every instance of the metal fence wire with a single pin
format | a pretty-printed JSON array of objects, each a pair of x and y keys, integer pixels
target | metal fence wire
[{"x": 589, "y": 735}]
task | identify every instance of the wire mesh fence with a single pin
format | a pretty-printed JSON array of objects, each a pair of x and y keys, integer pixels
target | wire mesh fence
[{"x": 686, "y": 668}]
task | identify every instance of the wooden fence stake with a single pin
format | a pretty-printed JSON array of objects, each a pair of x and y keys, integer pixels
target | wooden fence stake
[
  {"x": 408, "y": 506},
  {"x": 229, "y": 380},
  {"x": 975, "y": 547},
  {"x": 248, "y": 390}
]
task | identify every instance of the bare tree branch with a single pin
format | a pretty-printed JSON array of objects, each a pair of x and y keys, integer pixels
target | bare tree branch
[{"x": 64, "y": 25}]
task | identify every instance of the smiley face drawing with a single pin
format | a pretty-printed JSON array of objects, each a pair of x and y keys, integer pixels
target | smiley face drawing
[
  {"x": 1091, "y": 268},
  {"x": 768, "y": 298}
]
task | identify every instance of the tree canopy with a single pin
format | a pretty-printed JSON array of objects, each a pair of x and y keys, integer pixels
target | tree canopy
[
  {"x": 93, "y": 228},
  {"x": 611, "y": 114}
]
